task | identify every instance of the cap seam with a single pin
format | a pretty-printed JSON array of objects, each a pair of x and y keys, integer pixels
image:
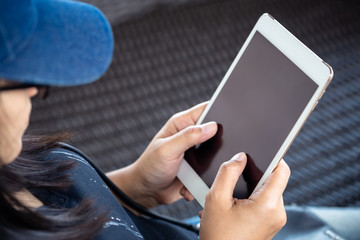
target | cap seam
[
  {"x": 6, "y": 42},
  {"x": 14, "y": 50}
]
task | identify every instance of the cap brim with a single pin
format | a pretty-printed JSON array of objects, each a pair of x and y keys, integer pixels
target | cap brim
[{"x": 72, "y": 45}]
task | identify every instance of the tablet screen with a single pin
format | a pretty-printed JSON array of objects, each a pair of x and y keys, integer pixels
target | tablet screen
[{"x": 258, "y": 106}]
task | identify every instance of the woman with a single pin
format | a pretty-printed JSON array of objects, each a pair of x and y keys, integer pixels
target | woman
[{"x": 50, "y": 192}]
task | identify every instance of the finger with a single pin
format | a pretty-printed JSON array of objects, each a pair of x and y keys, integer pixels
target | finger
[
  {"x": 189, "y": 117},
  {"x": 183, "y": 119},
  {"x": 182, "y": 191},
  {"x": 191, "y": 136},
  {"x": 227, "y": 177},
  {"x": 200, "y": 213},
  {"x": 186, "y": 194},
  {"x": 276, "y": 183}
]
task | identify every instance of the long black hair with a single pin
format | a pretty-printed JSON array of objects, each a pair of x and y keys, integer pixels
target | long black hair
[{"x": 29, "y": 171}]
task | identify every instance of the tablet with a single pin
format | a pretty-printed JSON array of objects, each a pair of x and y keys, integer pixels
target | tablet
[{"x": 262, "y": 102}]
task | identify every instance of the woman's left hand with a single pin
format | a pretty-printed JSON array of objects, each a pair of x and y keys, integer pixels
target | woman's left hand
[{"x": 151, "y": 180}]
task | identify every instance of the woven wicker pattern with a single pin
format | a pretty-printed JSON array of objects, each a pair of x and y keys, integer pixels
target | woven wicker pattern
[
  {"x": 123, "y": 10},
  {"x": 167, "y": 60}
]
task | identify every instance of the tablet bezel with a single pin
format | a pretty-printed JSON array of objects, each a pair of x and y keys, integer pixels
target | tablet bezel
[{"x": 313, "y": 66}]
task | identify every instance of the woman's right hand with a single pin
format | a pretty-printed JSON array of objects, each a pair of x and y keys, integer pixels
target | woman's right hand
[{"x": 259, "y": 217}]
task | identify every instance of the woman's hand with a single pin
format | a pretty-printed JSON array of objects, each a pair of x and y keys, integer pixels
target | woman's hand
[
  {"x": 151, "y": 180},
  {"x": 259, "y": 217}
]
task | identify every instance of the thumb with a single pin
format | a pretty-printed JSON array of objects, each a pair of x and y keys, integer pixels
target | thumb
[
  {"x": 191, "y": 136},
  {"x": 227, "y": 177}
]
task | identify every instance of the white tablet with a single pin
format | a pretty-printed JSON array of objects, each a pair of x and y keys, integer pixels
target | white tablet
[{"x": 260, "y": 105}]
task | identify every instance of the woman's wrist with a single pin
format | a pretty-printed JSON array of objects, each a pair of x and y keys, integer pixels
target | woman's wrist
[{"x": 129, "y": 181}]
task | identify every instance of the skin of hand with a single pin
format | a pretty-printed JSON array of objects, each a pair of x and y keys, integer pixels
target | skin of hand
[
  {"x": 259, "y": 217},
  {"x": 151, "y": 180}
]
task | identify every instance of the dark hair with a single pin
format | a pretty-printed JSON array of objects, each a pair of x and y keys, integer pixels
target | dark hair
[{"x": 29, "y": 171}]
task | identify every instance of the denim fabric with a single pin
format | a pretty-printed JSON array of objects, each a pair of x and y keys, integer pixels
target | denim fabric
[
  {"x": 88, "y": 184},
  {"x": 344, "y": 220},
  {"x": 153, "y": 229},
  {"x": 53, "y": 42},
  {"x": 122, "y": 224},
  {"x": 303, "y": 224}
]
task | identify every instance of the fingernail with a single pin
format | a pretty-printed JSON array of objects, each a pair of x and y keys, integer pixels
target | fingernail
[
  {"x": 208, "y": 127},
  {"x": 239, "y": 157}
]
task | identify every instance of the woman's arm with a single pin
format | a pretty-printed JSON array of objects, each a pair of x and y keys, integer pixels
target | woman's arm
[{"x": 151, "y": 180}]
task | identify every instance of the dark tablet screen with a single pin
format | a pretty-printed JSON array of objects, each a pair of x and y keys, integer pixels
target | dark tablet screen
[{"x": 261, "y": 101}]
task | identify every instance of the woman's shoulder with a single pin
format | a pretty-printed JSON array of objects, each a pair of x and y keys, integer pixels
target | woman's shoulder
[
  {"x": 87, "y": 183},
  {"x": 67, "y": 152}
]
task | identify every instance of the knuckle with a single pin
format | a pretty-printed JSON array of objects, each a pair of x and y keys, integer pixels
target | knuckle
[
  {"x": 180, "y": 116},
  {"x": 161, "y": 151},
  {"x": 270, "y": 207},
  {"x": 225, "y": 168},
  {"x": 280, "y": 220},
  {"x": 208, "y": 198},
  {"x": 276, "y": 212},
  {"x": 192, "y": 133},
  {"x": 175, "y": 117},
  {"x": 283, "y": 219},
  {"x": 212, "y": 196}
]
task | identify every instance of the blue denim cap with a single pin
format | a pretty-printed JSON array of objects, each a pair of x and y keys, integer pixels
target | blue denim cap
[{"x": 53, "y": 42}]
